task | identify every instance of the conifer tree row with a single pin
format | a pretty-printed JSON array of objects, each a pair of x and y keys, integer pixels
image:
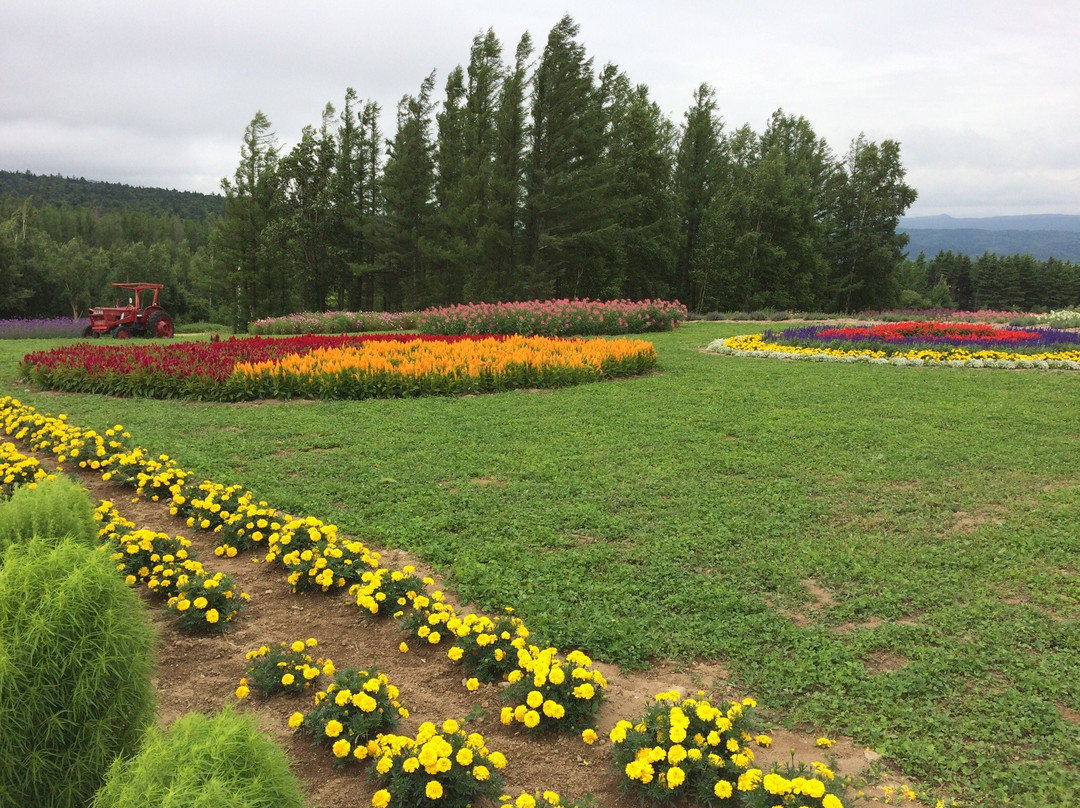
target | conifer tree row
[
  {"x": 544, "y": 176},
  {"x": 551, "y": 177}
]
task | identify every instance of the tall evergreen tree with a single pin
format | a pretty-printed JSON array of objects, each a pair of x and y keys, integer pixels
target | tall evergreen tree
[
  {"x": 304, "y": 226},
  {"x": 239, "y": 239},
  {"x": 640, "y": 150},
  {"x": 408, "y": 187},
  {"x": 480, "y": 132},
  {"x": 870, "y": 197},
  {"x": 571, "y": 235},
  {"x": 503, "y": 238},
  {"x": 699, "y": 165},
  {"x": 450, "y": 253}
]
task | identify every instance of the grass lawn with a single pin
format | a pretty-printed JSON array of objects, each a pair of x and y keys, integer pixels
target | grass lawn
[{"x": 890, "y": 553}]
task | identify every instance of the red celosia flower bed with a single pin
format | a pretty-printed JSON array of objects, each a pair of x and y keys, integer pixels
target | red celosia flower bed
[{"x": 954, "y": 332}]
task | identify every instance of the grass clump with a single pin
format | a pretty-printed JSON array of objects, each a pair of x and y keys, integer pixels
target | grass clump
[
  {"x": 217, "y": 761},
  {"x": 52, "y": 509},
  {"x": 76, "y": 653}
]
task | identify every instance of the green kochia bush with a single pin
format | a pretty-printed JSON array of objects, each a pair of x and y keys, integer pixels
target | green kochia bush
[
  {"x": 219, "y": 761},
  {"x": 52, "y": 509},
  {"x": 76, "y": 653}
]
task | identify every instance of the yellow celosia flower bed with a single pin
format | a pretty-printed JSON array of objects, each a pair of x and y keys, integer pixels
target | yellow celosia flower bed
[{"x": 424, "y": 367}]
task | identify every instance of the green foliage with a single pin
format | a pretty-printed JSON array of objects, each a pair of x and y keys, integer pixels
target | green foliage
[
  {"x": 53, "y": 508},
  {"x": 76, "y": 653},
  {"x": 218, "y": 761}
]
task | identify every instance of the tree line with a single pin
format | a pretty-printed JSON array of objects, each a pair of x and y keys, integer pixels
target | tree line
[
  {"x": 539, "y": 177},
  {"x": 990, "y": 281}
]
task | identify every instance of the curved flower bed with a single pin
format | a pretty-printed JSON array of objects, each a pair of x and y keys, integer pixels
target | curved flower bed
[
  {"x": 554, "y": 318},
  {"x": 381, "y": 365},
  {"x": 914, "y": 343}
]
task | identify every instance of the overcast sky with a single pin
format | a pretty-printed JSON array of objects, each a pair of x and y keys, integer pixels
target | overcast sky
[{"x": 983, "y": 95}]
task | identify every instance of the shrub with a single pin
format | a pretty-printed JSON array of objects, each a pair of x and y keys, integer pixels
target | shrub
[
  {"x": 52, "y": 509},
  {"x": 218, "y": 761},
  {"x": 76, "y": 652}
]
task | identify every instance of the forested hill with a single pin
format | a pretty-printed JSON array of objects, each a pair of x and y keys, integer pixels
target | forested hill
[
  {"x": 1040, "y": 236},
  {"x": 108, "y": 197}
]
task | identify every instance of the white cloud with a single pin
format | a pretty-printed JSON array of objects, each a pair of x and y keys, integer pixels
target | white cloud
[{"x": 981, "y": 95}]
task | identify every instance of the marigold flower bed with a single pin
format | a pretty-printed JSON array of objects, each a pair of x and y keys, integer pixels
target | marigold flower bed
[
  {"x": 340, "y": 367},
  {"x": 918, "y": 343}
]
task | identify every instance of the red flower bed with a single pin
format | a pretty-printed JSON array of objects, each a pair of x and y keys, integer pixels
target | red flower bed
[
  {"x": 954, "y": 332},
  {"x": 213, "y": 361}
]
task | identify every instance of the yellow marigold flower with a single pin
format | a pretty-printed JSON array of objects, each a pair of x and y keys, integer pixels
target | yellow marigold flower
[
  {"x": 831, "y": 801},
  {"x": 464, "y": 756},
  {"x": 328, "y": 668},
  {"x": 675, "y": 777},
  {"x": 507, "y": 715},
  {"x": 342, "y": 748},
  {"x": 183, "y": 605},
  {"x": 824, "y": 743},
  {"x": 481, "y": 773},
  {"x": 288, "y": 679},
  {"x": 498, "y": 760},
  {"x": 678, "y": 734},
  {"x": 676, "y": 754},
  {"x": 212, "y": 615},
  {"x": 722, "y": 789},
  {"x": 381, "y": 798},
  {"x": 455, "y": 653},
  {"x": 763, "y": 741},
  {"x": 749, "y": 779},
  {"x": 589, "y": 736},
  {"x": 297, "y": 647},
  {"x": 433, "y": 789},
  {"x": 409, "y": 765},
  {"x": 813, "y": 788},
  {"x": 534, "y": 699},
  {"x": 242, "y": 692},
  {"x": 434, "y": 637},
  {"x": 296, "y": 719},
  {"x": 514, "y": 675},
  {"x": 531, "y": 718},
  {"x": 472, "y": 684},
  {"x": 333, "y": 728},
  {"x": 385, "y": 764},
  {"x": 776, "y": 784},
  {"x": 525, "y": 801},
  {"x": 404, "y": 648}
]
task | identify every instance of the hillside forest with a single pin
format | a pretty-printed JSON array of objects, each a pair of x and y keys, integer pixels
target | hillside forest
[{"x": 539, "y": 177}]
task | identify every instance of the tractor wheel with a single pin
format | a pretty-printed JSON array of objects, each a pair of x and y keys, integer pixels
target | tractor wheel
[
  {"x": 159, "y": 324},
  {"x": 89, "y": 333},
  {"x": 122, "y": 332}
]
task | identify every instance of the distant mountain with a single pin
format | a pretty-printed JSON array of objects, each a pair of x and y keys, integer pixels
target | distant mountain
[
  {"x": 1041, "y": 236},
  {"x": 108, "y": 197},
  {"x": 1047, "y": 221}
]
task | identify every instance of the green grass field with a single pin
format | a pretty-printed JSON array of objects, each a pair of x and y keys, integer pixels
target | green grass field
[{"x": 889, "y": 553}]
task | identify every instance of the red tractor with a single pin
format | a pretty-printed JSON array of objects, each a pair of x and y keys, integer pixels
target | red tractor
[{"x": 132, "y": 320}]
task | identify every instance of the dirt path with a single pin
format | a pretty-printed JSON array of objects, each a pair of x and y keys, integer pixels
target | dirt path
[{"x": 201, "y": 673}]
